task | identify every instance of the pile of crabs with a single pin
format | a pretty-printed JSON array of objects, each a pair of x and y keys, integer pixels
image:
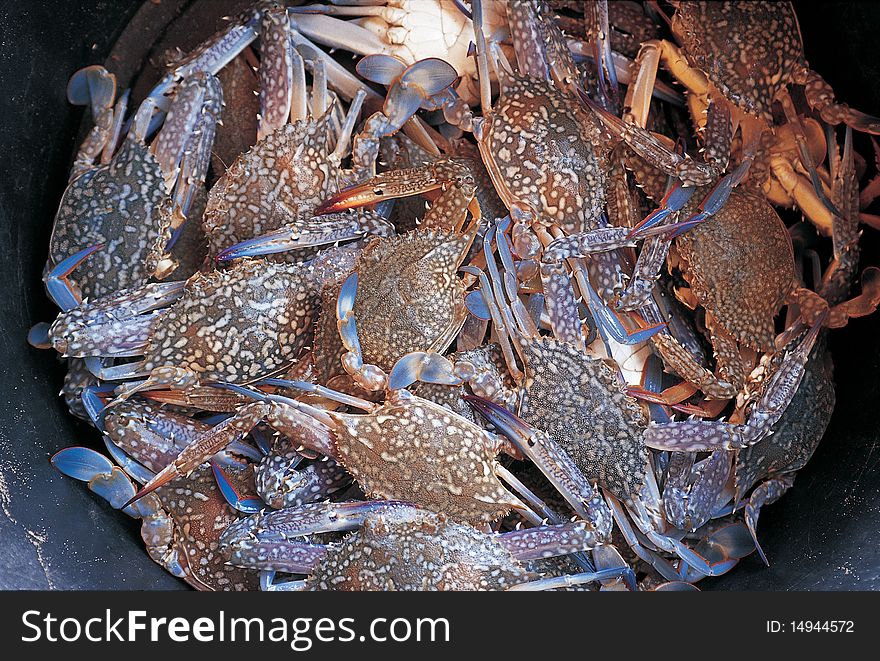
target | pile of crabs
[{"x": 586, "y": 362}]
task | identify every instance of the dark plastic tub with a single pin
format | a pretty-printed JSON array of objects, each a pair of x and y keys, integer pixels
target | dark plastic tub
[{"x": 55, "y": 534}]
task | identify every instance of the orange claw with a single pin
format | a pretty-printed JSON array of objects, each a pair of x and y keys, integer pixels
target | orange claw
[
  {"x": 358, "y": 195},
  {"x": 671, "y": 396},
  {"x": 161, "y": 478}
]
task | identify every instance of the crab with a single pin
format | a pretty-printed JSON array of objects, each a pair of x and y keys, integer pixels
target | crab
[
  {"x": 403, "y": 296},
  {"x": 115, "y": 220},
  {"x": 239, "y": 325},
  {"x": 181, "y": 524},
  {"x": 456, "y": 556},
  {"x": 736, "y": 60},
  {"x": 275, "y": 186},
  {"x": 768, "y": 468},
  {"x": 739, "y": 266}
]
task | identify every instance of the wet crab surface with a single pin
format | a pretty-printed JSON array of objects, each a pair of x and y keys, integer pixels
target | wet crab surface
[{"x": 767, "y": 518}]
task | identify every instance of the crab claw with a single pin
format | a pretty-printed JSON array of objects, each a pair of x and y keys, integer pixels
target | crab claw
[
  {"x": 246, "y": 504},
  {"x": 92, "y": 86},
  {"x": 388, "y": 186},
  {"x": 381, "y": 69},
  {"x": 673, "y": 201},
  {"x": 551, "y": 460},
  {"x": 652, "y": 149},
  {"x": 163, "y": 477},
  {"x": 422, "y": 366},
  {"x": 103, "y": 478},
  {"x": 63, "y": 292},
  {"x": 309, "y": 233}
]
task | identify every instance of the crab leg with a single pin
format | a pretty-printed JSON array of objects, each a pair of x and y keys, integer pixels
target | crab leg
[
  {"x": 196, "y": 96},
  {"x": 95, "y": 87},
  {"x": 553, "y": 462},
  {"x": 276, "y": 72},
  {"x": 707, "y": 436},
  {"x": 451, "y": 177},
  {"x": 307, "y": 232},
  {"x": 820, "y": 97},
  {"x": 691, "y": 490},
  {"x": 766, "y": 493},
  {"x": 661, "y": 564},
  {"x": 214, "y": 54},
  {"x": 571, "y": 580},
  {"x": 418, "y": 83},
  {"x": 265, "y": 540}
]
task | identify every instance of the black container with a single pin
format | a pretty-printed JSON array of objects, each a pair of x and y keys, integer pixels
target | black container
[{"x": 55, "y": 534}]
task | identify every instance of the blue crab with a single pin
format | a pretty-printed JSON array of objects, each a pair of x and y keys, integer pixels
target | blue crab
[
  {"x": 181, "y": 525},
  {"x": 115, "y": 221},
  {"x": 376, "y": 556}
]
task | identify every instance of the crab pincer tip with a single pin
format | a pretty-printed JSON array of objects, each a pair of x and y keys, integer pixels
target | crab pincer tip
[
  {"x": 505, "y": 421},
  {"x": 162, "y": 478}
]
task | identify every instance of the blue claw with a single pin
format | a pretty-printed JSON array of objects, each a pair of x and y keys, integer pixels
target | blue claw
[
  {"x": 38, "y": 336},
  {"x": 59, "y": 287},
  {"x": 610, "y": 326},
  {"x": 421, "y": 366},
  {"x": 344, "y": 306},
  {"x": 248, "y": 505},
  {"x": 507, "y": 423},
  {"x": 476, "y": 305},
  {"x": 719, "y": 195},
  {"x": 103, "y": 478},
  {"x": 673, "y": 201},
  {"x": 81, "y": 463},
  {"x": 94, "y": 405}
]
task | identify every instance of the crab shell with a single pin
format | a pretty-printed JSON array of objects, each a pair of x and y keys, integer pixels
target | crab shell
[
  {"x": 282, "y": 177},
  {"x": 122, "y": 206},
  {"x": 237, "y": 325},
  {"x": 414, "y": 450},
  {"x": 740, "y": 266},
  {"x": 748, "y": 50},
  {"x": 409, "y": 297},
  {"x": 416, "y": 550},
  {"x": 580, "y": 403},
  {"x": 540, "y": 148}
]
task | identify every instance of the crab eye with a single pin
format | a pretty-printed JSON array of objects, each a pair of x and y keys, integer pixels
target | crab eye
[{"x": 378, "y": 191}]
